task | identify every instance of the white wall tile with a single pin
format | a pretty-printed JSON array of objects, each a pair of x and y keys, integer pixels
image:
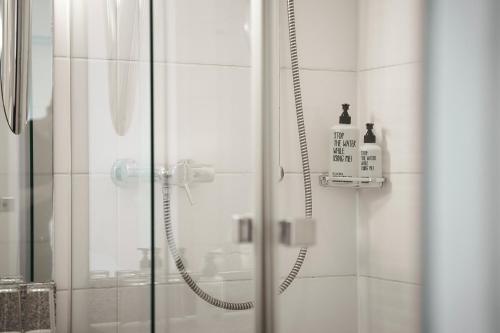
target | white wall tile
[
  {"x": 335, "y": 212},
  {"x": 94, "y": 311},
  {"x": 79, "y": 116},
  {"x": 320, "y": 305},
  {"x": 205, "y": 228},
  {"x": 326, "y": 34},
  {"x": 209, "y": 118},
  {"x": 80, "y": 231},
  {"x": 132, "y": 30},
  {"x": 203, "y": 31},
  {"x": 134, "y": 309},
  {"x": 133, "y": 227},
  {"x": 390, "y": 32},
  {"x": 91, "y": 23},
  {"x": 62, "y": 231},
  {"x": 323, "y": 94},
  {"x": 391, "y": 98},
  {"x": 110, "y": 29},
  {"x": 63, "y": 308},
  {"x": 108, "y": 96},
  {"x": 179, "y": 310},
  {"x": 390, "y": 229},
  {"x": 61, "y": 28},
  {"x": 62, "y": 116},
  {"x": 389, "y": 307},
  {"x": 103, "y": 225}
]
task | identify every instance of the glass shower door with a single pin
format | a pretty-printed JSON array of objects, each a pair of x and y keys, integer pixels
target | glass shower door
[
  {"x": 14, "y": 202},
  {"x": 199, "y": 180},
  {"x": 26, "y": 180},
  {"x": 206, "y": 126},
  {"x": 111, "y": 131}
]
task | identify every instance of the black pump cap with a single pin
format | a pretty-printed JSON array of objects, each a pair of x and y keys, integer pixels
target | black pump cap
[
  {"x": 345, "y": 118},
  {"x": 369, "y": 136}
]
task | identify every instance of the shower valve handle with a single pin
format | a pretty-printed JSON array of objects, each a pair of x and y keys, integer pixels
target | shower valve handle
[
  {"x": 187, "y": 172},
  {"x": 182, "y": 174}
]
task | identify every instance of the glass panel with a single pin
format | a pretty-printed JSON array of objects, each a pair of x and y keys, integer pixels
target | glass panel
[
  {"x": 203, "y": 114},
  {"x": 42, "y": 139},
  {"x": 363, "y": 272},
  {"x": 14, "y": 202},
  {"x": 111, "y": 126},
  {"x": 322, "y": 294},
  {"x": 26, "y": 167}
]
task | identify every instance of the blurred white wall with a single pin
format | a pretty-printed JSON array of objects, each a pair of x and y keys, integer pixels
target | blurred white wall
[{"x": 461, "y": 163}]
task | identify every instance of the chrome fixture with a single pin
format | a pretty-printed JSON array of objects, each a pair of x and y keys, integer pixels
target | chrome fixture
[
  {"x": 126, "y": 172},
  {"x": 14, "y": 61},
  {"x": 351, "y": 182},
  {"x": 299, "y": 232},
  {"x": 243, "y": 231}
]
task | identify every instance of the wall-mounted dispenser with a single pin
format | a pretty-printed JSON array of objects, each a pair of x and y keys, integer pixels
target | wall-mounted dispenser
[
  {"x": 370, "y": 155},
  {"x": 343, "y": 147},
  {"x": 350, "y": 165}
]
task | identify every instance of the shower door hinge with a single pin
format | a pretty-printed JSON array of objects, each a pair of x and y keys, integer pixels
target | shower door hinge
[{"x": 243, "y": 229}]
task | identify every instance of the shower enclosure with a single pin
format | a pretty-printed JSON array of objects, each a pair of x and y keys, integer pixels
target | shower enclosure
[
  {"x": 188, "y": 168},
  {"x": 198, "y": 95},
  {"x": 165, "y": 163},
  {"x": 183, "y": 120}
]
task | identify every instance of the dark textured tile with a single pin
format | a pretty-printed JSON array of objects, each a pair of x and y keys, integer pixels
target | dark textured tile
[
  {"x": 10, "y": 308},
  {"x": 25, "y": 307}
]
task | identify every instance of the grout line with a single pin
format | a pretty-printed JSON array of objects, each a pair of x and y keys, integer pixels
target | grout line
[
  {"x": 385, "y": 173},
  {"x": 391, "y": 280},
  {"x": 403, "y": 173},
  {"x": 218, "y": 282},
  {"x": 145, "y": 61},
  {"x": 319, "y": 69},
  {"x": 71, "y": 194},
  {"x": 102, "y": 173},
  {"x": 390, "y": 66},
  {"x": 180, "y": 63},
  {"x": 358, "y": 260},
  {"x": 326, "y": 276},
  {"x": 196, "y": 64},
  {"x": 133, "y": 61}
]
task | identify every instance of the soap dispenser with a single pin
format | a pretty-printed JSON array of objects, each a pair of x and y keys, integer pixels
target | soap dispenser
[
  {"x": 370, "y": 155},
  {"x": 343, "y": 147}
]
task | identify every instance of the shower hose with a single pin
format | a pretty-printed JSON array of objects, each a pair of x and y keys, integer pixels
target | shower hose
[{"x": 307, "y": 191}]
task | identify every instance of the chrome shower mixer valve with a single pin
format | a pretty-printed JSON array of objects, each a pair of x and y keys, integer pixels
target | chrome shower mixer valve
[{"x": 126, "y": 172}]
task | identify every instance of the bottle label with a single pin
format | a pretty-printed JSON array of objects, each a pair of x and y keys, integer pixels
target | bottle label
[
  {"x": 368, "y": 162},
  {"x": 343, "y": 152}
]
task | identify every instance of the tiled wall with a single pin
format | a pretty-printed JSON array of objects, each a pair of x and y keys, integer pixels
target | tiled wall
[
  {"x": 202, "y": 85},
  {"x": 62, "y": 164},
  {"x": 324, "y": 298},
  {"x": 389, "y": 221},
  {"x": 91, "y": 233}
]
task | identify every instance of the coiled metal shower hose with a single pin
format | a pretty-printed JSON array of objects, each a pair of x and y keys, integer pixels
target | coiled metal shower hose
[{"x": 307, "y": 191}]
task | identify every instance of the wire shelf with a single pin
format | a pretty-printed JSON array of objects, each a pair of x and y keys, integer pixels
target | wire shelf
[{"x": 351, "y": 182}]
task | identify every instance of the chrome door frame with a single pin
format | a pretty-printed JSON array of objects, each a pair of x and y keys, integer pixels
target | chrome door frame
[{"x": 265, "y": 99}]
